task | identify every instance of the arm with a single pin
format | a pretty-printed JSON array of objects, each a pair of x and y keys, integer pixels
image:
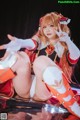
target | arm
[
  {"x": 74, "y": 52},
  {"x": 16, "y": 44}
]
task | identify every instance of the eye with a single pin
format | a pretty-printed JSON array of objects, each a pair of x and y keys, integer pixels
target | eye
[
  {"x": 44, "y": 27},
  {"x": 51, "y": 25}
]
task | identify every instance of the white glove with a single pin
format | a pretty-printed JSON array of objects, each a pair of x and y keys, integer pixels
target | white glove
[
  {"x": 13, "y": 46},
  {"x": 73, "y": 49},
  {"x": 16, "y": 44}
]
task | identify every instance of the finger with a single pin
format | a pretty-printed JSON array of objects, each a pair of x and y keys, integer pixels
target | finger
[
  {"x": 59, "y": 28},
  {"x": 1, "y": 47},
  {"x": 58, "y": 33},
  {"x": 10, "y": 37}
]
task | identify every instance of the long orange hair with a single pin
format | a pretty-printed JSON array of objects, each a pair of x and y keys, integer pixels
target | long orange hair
[{"x": 53, "y": 18}]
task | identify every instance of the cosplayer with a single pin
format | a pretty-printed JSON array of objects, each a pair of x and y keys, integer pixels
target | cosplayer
[{"x": 49, "y": 51}]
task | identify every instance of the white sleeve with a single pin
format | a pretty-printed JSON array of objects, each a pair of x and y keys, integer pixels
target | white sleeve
[
  {"x": 17, "y": 44},
  {"x": 73, "y": 49},
  {"x": 74, "y": 52},
  {"x": 59, "y": 49}
]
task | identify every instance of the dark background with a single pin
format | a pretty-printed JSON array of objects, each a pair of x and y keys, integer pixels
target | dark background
[{"x": 21, "y": 18}]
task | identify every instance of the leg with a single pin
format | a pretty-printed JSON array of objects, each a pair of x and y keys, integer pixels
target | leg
[
  {"x": 57, "y": 83},
  {"x": 41, "y": 92},
  {"x": 22, "y": 81}
]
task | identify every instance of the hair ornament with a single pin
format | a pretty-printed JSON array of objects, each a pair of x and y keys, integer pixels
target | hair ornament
[{"x": 64, "y": 20}]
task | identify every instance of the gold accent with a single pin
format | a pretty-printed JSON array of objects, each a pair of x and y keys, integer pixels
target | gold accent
[
  {"x": 55, "y": 58},
  {"x": 58, "y": 86}
]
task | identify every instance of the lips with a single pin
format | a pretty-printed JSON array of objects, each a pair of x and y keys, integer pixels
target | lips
[{"x": 48, "y": 33}]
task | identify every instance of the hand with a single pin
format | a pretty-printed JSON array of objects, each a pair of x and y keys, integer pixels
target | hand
[
  {"x": 12, "y": 46},
  {"x": 63, "y": 36},
  {"x": 1, "y": 47},
  {"x": 10, "y": 37}
]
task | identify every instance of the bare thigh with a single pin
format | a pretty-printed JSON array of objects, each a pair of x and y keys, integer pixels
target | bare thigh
[
  {"x": 39, "y": 65},
  {"x": 22, "y": 81}
]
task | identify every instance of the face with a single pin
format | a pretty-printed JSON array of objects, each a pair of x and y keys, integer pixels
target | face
[{"x": 49, "y": 30}]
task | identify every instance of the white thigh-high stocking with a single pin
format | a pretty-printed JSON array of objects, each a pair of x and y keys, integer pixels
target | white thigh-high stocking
[
  {"x": 32, "y": 90},
  {"x": 59, "y": 86}
]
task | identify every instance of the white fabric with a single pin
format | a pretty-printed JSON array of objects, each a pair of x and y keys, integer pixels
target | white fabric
[
  {"x": 17, "y": 44},
  {"x": 51, "y": 75},
  {"x": 59, "y": 49},
  {"x": 8, "y": 62},
  {"x": 61, "y": 89},
  {"x": 73, "y": 49},
  {"x": 32, "y": 90},
  {"x": 65, "y": 22},
  {"x": 67, "y": 98},
  {"x": 76, "y": 108}
]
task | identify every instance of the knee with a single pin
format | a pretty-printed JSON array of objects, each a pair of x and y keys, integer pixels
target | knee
[
  {"x": 37, "y": 62},
  {"x": 21, "y": 65},
  {"x": 41, "y": 61},
  {"x": 23, "y": 57},
  {"x": 52, "y": 75}
]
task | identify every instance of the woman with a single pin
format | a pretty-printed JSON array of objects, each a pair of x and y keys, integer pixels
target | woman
[
  {"x": 53, "y": 33},
  {"x": 53, "y": 46}
]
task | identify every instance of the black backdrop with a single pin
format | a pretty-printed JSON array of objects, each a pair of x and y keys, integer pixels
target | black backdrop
[{"x": 20, "y": 18}]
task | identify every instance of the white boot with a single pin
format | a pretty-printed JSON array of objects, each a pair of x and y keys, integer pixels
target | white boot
[{"x": 59, "y": 86}]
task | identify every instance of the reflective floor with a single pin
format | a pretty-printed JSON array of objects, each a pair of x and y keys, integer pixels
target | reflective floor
[
  {"x": 18, "y": 109},
  {"x": 40, "y": 116}
]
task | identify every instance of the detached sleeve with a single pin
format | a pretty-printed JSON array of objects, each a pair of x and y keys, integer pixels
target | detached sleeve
[
  {"x": 17, "y": 44},
  {"x": 74, "y": 53}
]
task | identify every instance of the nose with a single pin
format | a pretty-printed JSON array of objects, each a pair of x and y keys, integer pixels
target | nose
[{"x": 47, "y": 29}]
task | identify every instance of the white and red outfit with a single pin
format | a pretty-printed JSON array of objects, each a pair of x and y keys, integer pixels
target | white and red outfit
[{"x": 54, "y": 73}]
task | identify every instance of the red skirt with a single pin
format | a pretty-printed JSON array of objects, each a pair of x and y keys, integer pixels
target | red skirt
[{"x": 6, "y": 89}]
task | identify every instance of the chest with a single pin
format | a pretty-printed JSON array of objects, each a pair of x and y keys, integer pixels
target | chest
[{"x": 50, "y": 52}]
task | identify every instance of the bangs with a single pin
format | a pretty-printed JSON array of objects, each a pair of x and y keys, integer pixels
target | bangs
[{"x": 47, "y": 20}]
